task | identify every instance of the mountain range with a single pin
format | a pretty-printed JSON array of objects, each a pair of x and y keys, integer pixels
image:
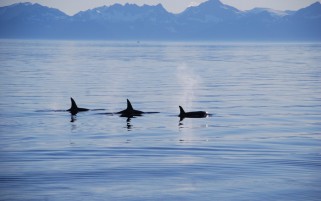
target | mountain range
[{"x": 211, "y": 20}]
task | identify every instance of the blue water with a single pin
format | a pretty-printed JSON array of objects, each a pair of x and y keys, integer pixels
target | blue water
[{"x": 261, "y": 142}]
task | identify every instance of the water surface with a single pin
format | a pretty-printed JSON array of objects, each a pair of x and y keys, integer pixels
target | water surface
[{"x": 262, "y": 141}]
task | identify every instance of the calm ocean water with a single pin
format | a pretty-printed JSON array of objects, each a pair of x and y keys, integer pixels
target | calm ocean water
[{"x": 261, "y": 142}]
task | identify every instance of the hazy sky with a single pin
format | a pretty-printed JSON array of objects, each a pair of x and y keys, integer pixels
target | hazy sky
[{"x": 175, "y": 6}]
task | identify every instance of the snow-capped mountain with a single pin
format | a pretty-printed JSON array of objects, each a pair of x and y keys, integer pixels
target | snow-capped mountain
[
  {"x": 30, "y": 12},
  {"x": 211, "y": 20},
  {"x": 210, "y": 11},
  {"x": 124, "y": 13},
  {"x": 268, "y": 11}
]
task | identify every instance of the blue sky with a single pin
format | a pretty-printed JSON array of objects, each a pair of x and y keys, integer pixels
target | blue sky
[{"x": 73, "y": 6}]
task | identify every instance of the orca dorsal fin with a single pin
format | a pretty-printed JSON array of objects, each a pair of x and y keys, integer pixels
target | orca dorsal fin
[
  {"x": 73, "y": 104},
  {"x": 181, "y": 111},
  {"x": 129, "y": 105}
]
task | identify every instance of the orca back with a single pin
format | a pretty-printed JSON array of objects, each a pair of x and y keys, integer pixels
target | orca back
[
  {"x": 130, "y": 111},
  {"x": 196, "y": 114},
  {"x": 74, "y": 109}
]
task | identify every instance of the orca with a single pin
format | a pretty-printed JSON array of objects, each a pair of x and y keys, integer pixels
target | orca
[
  {"x": 74, "y": 109},
  {"x": 196, "y": 114},
  {"x": 130, "y": 111}
]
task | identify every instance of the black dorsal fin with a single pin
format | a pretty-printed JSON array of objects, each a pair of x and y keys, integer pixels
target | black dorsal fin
[
  {"x": 129, "y": 105},
  {"x": 73, "y": 104},
  {"x": 181, "y": 111}
]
